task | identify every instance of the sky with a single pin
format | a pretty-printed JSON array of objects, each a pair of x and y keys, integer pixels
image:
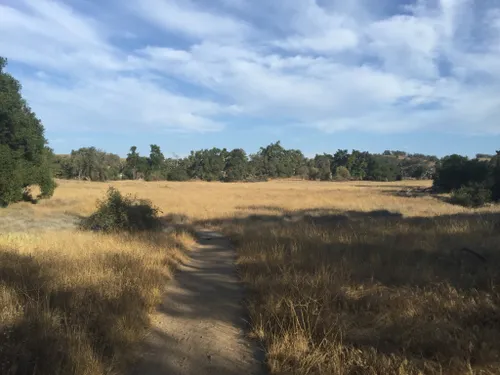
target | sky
[{"x": 319, "y": 75}]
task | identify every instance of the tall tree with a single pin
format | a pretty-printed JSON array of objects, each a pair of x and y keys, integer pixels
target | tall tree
[
  {"x": 236, "y": 168},
  {"x": 323, "y": 166},
  {"x": 156, "y": 158},
  {"x": 25, "y": 158},
  {"x": 357, "y": 164},
  {"x": 340, "y": 159},
  {"x": 132, "y": 163},
  {"x": 157, "y": 168},
  {"x": 91, "y": 164},
  {"x": 276, "y": 162}
]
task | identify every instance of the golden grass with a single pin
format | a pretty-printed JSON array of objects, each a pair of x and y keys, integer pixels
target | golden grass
[
  {"x": 209, "y": 200},
  {"x": 374, "y": 295},
  {"x": 344, "y": 278},
  {"x": 78, "y": 303}
]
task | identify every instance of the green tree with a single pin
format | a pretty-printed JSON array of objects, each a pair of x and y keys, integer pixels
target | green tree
[
  {"x": 323, "y": 165},
  {"x": 236, "y": 168},
  {"x": 340, "y": 158},
  {"x": 156, "y": 158},
  {"x": 207, "y": 165},
  {"x": 91, "y": 164},
  {"x": 24, "y": 157},
  {"x": 132, "y": 163},
  {"x": 342, "y": 173},
  {"x": 157, "y": 168},
  {"x": 382, "y": 168},
  {"x": 61, "y": 166},
  {"x": 275, "y": 161},
  {"x": 136, "y": 166},
  {"x": 455, "y": 171},
  {"x": 178, "y": 169},
  {"x": 357, "y": 164}
]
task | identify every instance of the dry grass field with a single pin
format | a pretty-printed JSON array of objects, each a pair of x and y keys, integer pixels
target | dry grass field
[{"x": 343, "y": 278}]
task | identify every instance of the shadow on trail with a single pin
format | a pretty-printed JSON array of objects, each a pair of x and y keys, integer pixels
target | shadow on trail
[
  {"x": 195, "y": 324},
  {"x": 209, "y": 276}
]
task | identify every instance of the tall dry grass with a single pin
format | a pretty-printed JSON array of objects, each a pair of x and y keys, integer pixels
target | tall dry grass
[
  {"x": 76, "y": 302},
  {"x": 344, "y": 278},
  {"x": 360, "y": 292}
]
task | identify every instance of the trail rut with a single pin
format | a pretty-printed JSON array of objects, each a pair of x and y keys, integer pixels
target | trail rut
[{"x": 198, "y": 329}]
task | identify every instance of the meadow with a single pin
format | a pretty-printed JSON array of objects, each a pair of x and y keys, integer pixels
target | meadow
[{"x": 342, "y": 277}]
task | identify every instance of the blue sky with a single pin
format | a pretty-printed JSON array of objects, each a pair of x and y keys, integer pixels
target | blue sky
[{"x": 319, "y": 75}]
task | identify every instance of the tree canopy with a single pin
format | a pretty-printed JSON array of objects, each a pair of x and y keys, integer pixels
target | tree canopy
[{"x": 25, "y": 159}]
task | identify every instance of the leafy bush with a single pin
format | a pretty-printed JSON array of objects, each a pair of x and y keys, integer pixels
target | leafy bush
[
  {"x": 313, "y": 173},
  {"x": 123, "y": 213},
  {"x": 342, "y": 173},
  {"x": 382, "y": 168},
  {"x": 471, "y": 196},
  {"x": 178, "y": 174},
  {"x": 456, "y": 171}
]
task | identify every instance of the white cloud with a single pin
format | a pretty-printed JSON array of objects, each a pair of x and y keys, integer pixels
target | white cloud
[
  {"x": 315, "y": 29},
  {"x": 123, "y": 104},
  {"x": 330, "y": 41},
  {"x": 184, "y": 17},
  {"x": 433, "y": 65}
]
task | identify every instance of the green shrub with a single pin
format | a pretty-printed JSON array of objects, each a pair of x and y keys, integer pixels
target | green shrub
[
  {"x": 342, "y": 174},
  {"x": 178, "y": 174},
  {"x": 313, "y": 174},
  {"x": 123, "y": 213},
  {"x": 455, "y": 171},
  {"x": 471, "y": 196}
]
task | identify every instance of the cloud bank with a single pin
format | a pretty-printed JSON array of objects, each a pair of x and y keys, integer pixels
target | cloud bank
[{"x": 192, "y": 65}]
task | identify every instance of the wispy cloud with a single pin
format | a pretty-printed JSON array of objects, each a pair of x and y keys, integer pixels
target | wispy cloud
[
  {"x": 201, "y": 66},
  {"x": 184, "y": 17}
]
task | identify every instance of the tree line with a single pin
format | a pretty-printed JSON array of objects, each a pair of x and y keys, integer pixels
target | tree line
[
  {"x": 215, "y": 164},
  {"x": 26, "y": 160}
]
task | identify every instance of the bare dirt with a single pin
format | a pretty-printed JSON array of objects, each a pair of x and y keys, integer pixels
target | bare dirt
[{"x": 199, "y": 327}]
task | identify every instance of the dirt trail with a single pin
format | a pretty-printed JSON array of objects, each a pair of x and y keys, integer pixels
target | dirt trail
[{"x": 198, "y": 329}]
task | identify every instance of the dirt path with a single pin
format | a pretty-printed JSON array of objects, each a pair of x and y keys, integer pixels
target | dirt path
[{"x": 198, "y": 329}]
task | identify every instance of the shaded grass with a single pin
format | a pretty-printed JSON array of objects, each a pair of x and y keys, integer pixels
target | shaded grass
[
  {"x": 78, "y": 303},
  {"x": 373, "y": 294}
]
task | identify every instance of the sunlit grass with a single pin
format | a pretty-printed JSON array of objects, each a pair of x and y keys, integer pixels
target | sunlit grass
[{"x": 344, "y": 278}]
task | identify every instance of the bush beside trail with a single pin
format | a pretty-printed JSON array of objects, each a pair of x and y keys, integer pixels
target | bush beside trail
[{"x": 119, "y": 212}]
